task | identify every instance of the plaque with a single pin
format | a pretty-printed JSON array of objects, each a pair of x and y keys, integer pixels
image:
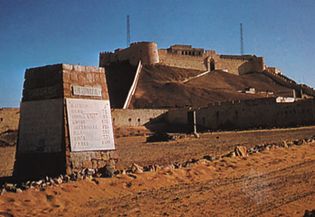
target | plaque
[
  {"x": 41, "y": 126},
  {"x": 90, "y": 125},
  {"x": 86, "y": 91}
]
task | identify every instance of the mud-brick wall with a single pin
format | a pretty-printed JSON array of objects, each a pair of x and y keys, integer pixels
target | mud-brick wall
[
  {"x": 262, "y": 113},
  {"x": 137, "y": 117},
  {"x": 182, "y": 61},
  {"x": 177, "y": 116},
  {"x": 239, "y": 65},
  {"x": 232, "y": 64},
  {"x": 147, "y": 52}
]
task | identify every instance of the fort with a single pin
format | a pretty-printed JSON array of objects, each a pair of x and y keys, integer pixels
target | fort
[
  {"x": 183, "y": 56},
  {"x": 161, "y": 79}
]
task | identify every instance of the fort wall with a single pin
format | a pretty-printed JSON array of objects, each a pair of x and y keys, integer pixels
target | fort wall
[
  {"x": 147, "y": 52},
  {"x": 183, "y": 56},
  {"x": 247, "y": 114},
  {"x": 137, "y": 117},
  {"x": 182, "y": 61}
]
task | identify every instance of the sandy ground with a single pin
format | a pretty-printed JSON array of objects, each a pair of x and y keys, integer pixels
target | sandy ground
[
  {"x": 278, "y": 182},
  {"x": 136, "y": 150}
]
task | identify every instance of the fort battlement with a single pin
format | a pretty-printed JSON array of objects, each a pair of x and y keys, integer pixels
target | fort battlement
[{"x": 183, "y": 56}]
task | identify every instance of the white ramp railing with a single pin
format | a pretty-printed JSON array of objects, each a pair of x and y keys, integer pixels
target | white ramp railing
[{"x": 133, "y": 86}]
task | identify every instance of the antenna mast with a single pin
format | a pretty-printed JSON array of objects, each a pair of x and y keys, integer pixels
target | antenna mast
[
  {"x": 128, "y": 30},
  {"x": 242, "y": 42}
]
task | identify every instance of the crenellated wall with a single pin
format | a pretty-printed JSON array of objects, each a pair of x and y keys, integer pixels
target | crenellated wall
[
  {"x": 247, "y": 114},
  {"x": 182, "y": 61},
  {"x": 183, "y": 56},
  {"x": 147, "y": 52}
]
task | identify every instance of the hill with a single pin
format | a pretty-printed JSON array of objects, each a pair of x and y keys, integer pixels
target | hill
[{"x": 165, "y": 87}]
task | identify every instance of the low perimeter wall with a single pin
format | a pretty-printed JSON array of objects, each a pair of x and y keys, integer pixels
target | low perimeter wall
[
  {"x": 259, "y": 113},
  {"x": 137, "y": 117}
]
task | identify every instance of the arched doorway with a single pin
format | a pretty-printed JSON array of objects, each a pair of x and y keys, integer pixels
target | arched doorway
[{"x": 212, "y": 65}]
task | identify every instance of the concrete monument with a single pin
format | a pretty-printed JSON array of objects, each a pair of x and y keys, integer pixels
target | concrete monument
[{"x": 65, "y": 123}]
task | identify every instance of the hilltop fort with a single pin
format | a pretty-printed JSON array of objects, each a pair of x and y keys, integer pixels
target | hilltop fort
[
  {"x": 143, "y": 76},
  {"x": 183, "y": 56}
]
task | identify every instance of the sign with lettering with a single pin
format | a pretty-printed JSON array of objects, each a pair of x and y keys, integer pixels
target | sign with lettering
[
  {"x": 41, "y": 126},
  {"x": 90, "y": 125},
  {"x": 86, "y": 91}
]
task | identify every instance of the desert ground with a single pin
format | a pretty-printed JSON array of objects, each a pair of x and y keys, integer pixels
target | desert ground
[{"x": 275, "y": 182}]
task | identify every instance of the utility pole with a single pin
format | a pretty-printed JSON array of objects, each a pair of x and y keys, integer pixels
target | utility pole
[
  {"x": 128, "y": 30},
  {"x": 242, "y": 43}
]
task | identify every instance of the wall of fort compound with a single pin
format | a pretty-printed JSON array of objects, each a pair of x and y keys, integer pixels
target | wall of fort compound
[
  {"x": 182, "y": 61},
  {"x": 137, "y": 117},
  {"x": 146, "y": 52},
  {"x": 183, "y": 56},
  {"x": 249, "y": 114}
]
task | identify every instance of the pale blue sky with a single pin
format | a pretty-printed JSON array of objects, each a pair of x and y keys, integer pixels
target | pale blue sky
[{"x": 40, "y": 32}]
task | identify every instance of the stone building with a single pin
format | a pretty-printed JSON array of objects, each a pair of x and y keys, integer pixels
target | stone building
[{"x": 183, "y": 56}]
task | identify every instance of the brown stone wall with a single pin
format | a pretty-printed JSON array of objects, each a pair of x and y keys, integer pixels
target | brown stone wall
[
  {"x": 260, "y": 113},
  {"x": 182, "y": 61},
  {"x": 232, "y": 65},
  {"x": 136, "y": 117},
  {"x": 145, "y": 51},
  {"x": 249, "y": 114}
]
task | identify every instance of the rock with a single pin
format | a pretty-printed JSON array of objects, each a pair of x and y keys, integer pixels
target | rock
[
  {"x": 66, "y": 178},
  {"x": 240, "y": 151},
  {"x": 58, "y": 180},
  {"x": 157, "y": 167},
  {"x": 107, "y": 171},
  {"x": 132, "y": 176},
  {"x": 39, "y": 182},
  {"x": 169, "y": 167},
  {"x": 73, "y": 177},
  {"x": 18, "y": 190},
  {"x": 309, "y": 213},
  {"x": 209, "y": 158},
  {"x": 10, "y": 187},
  {"x": 3, "y": 191},
  {"x": 284, "y": 143},
  {"x": 298, "y": 142},
  {"x": 251, "y": 150},
  {"x": 203, "y": 161},
  {"x": 177, "y": 165},
  {"x": 135, "y": 168}
]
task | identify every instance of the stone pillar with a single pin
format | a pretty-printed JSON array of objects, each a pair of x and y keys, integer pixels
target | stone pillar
[{"x": 65, "y": 122}]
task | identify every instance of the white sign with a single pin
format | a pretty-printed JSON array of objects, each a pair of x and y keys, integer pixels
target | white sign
[
  {"x": 41, "y": 126},
  {"x": 90, "y": 125},
  {"x": 86, "y": 91}
]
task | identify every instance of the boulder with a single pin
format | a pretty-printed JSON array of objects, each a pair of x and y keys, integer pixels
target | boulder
[
  {"x": 241, "y": 151},
  {"x": 135, "y": 168}
]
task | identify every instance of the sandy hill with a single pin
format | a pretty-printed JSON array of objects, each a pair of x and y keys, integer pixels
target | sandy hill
[{"x": 162, "y": 86}]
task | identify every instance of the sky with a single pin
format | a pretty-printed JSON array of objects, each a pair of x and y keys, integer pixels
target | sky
[{"x": 42, "y": 32}]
